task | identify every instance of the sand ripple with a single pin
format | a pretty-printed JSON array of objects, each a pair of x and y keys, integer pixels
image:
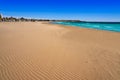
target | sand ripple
[{"x": 36, "y": 51}]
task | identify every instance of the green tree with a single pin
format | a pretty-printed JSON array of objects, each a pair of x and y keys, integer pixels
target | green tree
[
  {"x": 0, "y": 17},
  {"x": 22, "y": 19}
]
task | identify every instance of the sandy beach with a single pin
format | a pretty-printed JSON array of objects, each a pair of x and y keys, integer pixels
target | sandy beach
[{"x": 42, "y": 51}]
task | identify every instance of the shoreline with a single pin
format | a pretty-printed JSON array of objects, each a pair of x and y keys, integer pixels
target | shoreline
[
  {"x": 89, "y": 27},
  {"x": 78, "y": 27}
]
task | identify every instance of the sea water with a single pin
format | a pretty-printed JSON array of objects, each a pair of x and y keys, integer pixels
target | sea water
[{"x": 109, "y": 26}]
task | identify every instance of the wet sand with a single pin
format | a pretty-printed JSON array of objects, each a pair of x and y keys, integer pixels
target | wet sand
[{"x": 42, "y": 51}]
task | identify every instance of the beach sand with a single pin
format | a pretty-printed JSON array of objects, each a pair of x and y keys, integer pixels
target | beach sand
[{"x": 42, "y": 51}]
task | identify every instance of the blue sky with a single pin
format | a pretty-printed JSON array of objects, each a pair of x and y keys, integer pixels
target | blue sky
[{"x": 88, "y": 10}]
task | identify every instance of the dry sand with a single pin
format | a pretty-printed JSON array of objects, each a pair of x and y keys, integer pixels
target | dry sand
[{"x": 39, "y": 51}]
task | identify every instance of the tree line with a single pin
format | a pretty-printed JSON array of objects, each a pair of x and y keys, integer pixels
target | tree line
[{"x": 22, "y": 19}]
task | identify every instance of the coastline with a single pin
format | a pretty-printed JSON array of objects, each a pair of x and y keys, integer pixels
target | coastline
[
  {"x": 78, "y": 27},
  {"x": 38, "y": 50},
  {"x": 105, "y": 26}
]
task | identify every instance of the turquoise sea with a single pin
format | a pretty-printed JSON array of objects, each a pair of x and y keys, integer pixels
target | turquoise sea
[{"x": 109, "y": 26}]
